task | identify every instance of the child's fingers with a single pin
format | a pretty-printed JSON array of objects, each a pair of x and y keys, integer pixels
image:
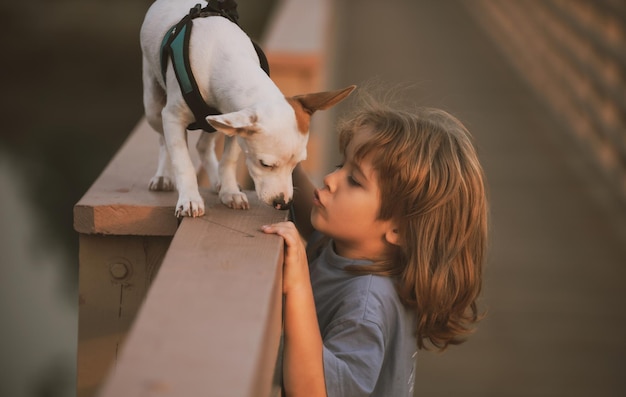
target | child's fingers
[
  {"x": 282, "y": 228},
  {"x": 287, "y": 230},
  {"x": 295, "y": 264}
]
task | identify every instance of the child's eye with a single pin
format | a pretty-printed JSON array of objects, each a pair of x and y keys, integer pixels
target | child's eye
[{"x": 352, "y": 181}]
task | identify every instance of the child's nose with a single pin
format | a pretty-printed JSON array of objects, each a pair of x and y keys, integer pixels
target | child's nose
[{"x": 330, "y": 180}]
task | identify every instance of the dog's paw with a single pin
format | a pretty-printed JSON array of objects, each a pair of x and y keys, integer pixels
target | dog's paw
[
  {"x": 192, "y": 207},
  {"x": 237, "y": 200},
  {"x": 161, "y": 184}
]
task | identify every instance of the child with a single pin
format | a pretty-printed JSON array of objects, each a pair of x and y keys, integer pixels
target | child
[{"x": 404, "y": 226}]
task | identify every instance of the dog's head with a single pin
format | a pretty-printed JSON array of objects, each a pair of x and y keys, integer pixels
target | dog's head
[{"x": 274, "y": 137}]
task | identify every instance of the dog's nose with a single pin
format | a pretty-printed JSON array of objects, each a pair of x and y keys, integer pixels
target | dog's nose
[{"x": 280, "y": 204}]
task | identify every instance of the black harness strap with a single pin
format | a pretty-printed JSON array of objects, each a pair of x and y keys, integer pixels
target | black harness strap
[{"x": 175, "y": 47}]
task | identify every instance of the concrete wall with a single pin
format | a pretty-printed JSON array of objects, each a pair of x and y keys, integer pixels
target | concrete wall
[{"x": 573, "y": 54}]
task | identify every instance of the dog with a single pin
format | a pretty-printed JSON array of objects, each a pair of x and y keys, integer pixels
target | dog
[{"x": 272, "y": 130}]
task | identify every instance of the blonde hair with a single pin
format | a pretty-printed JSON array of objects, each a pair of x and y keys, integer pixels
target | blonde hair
[{"x": 432, "y": 184}]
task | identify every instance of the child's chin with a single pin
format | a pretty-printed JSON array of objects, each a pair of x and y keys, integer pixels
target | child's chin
[{"x": 316, "y": 221}]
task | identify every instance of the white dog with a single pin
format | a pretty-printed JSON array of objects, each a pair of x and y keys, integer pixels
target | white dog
[{"x": 271, "y": 129}]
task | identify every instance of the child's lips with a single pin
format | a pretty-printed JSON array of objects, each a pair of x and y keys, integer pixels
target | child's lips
[{"x": 316, "y": 199}]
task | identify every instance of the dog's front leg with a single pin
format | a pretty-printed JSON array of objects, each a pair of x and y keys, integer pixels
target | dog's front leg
[
  {"x": 208, "y": 158},
  {"x": 190, "y": 203},
  {"x": 230, "y": 194}
]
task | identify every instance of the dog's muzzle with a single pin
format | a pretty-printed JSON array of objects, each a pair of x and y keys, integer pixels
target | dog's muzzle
[{"x": 280, "y": 204}]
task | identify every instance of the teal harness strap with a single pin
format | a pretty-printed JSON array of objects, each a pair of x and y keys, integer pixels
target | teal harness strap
[{"x": 175, "y": 47}]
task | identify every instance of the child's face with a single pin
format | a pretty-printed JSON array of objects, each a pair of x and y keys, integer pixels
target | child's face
[{"x": 347, "y": 207}]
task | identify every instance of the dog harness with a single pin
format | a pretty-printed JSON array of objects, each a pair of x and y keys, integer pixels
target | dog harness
[{"x": 175, "y": 47}]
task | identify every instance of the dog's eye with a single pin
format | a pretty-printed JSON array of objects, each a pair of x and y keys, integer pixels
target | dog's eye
[{"x": 264, "y": 165}]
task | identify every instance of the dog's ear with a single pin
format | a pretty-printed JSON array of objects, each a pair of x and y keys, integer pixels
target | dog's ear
[
  {"x": 323, "y": 100},
  {"x": 234, "y": 123}
]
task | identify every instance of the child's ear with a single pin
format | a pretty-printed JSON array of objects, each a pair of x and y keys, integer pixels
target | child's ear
[{"x": 392, "y": 236}]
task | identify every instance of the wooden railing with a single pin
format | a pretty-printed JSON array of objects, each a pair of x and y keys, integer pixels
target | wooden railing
[
  {"x": 192, "y": 307},
  {"x": 211, "y": 316}
]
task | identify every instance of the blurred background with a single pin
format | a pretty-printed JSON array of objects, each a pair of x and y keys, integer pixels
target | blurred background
[{"x": 541, "y": 84}]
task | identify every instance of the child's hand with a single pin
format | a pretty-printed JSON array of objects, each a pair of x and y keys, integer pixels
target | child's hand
[
  {"x": 303, "y": 366},
  {"x": 296, "y": 268}
]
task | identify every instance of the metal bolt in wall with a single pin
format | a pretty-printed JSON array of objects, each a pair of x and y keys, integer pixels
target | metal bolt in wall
[{"x": 119, "y": 270}]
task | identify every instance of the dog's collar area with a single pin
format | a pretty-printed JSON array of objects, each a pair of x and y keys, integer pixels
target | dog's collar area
[
  {"x": 224, "y": 8},
  {"x": 175, "y": 47}
]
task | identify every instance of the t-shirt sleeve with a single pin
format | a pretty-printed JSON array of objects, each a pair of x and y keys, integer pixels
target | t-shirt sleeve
[{"x": 353, "y": 358}]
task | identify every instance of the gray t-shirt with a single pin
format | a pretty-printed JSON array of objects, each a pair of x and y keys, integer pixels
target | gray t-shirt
[{"x": 368, "y": 335}]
